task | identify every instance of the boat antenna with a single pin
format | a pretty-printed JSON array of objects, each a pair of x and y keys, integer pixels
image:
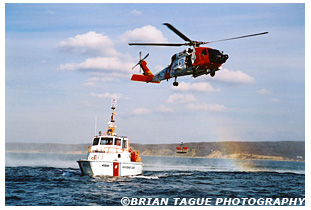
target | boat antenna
[{"x": 95, "y": 125}]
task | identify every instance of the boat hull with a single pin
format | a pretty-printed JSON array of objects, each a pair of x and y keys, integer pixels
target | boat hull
[{"x": 109, "y": 168}]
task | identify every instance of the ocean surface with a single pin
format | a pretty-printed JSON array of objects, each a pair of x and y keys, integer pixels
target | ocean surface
[{"x": 53, "y": 179}]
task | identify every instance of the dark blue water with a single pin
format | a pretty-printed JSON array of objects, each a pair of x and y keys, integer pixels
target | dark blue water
[{"x": 37, "y": 180}]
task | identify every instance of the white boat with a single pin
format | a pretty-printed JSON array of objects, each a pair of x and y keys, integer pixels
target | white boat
[{"x": 111, "y": 155}]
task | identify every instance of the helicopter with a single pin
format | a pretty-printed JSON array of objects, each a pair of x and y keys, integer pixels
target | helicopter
[{"x": 195, "y": 61}]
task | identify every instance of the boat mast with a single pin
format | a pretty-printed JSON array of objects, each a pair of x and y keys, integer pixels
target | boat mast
[{"x": 111, "y": 125}]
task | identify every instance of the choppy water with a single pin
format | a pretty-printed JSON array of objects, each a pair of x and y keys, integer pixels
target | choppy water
[{"x": 36, "y": 179}]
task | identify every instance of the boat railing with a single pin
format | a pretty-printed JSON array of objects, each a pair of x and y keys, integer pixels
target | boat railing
[{"x": 109, "y": 150}]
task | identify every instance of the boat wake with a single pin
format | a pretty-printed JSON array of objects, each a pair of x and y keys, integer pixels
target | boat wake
[{"x": 145, "y": 177}]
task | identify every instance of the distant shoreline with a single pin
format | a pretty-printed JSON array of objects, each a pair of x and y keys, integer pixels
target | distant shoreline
[
  {"x": 276, "y": 151},
  {"x": 177, "y": 156}
]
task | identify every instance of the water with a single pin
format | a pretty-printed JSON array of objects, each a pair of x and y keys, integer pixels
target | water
[{"x": 37, "y": 179}]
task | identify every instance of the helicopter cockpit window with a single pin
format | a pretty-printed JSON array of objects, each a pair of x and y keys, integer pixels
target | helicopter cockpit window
[
  {"x": 181, "y": 62},
  {"x": 214, "y": 52},
  {"x": 204, "y": 52},
  {"x": 95, "y": 141}
]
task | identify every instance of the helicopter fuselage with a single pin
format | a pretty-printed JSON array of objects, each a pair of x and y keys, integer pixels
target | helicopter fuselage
[{"x": 197, "y": 62}]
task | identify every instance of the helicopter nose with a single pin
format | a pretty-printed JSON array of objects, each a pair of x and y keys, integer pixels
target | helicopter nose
[{"x": 225, "y": 58}]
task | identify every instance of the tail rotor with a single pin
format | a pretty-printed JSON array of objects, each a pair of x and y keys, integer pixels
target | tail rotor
[{"x": 140, "y": 60}]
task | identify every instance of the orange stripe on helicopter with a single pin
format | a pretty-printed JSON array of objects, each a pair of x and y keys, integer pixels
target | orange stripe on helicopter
[
  {"x": 143, "y": 78},
  {"x": 145, "y": 68}
]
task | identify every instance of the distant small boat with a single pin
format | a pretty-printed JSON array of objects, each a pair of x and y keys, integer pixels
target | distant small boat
[
  {"x": 111, "y": 155},
  {"x": 182, "y": 148}
]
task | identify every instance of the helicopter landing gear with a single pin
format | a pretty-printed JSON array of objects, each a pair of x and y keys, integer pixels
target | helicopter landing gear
[
  {"x": 175, "y": 83},
  {"x": 212, "y": 73}
]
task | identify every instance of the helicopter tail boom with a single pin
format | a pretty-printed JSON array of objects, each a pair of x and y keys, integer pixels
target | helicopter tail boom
[
  {"x": 147, "y": 76},
  {"x": 143, "y": 78},
  {"x": 146, "y": 70}
]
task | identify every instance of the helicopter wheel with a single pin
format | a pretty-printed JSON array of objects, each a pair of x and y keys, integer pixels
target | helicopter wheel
[
  {"x": 212, "y": 73},
  {"x": 175, "y": 83}
]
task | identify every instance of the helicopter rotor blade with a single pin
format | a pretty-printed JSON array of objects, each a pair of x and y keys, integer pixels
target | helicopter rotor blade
[
  {"x": 145, "y": 57},
  {"x": 190, "y": 42},
  {"x": 239, "y": 37},
  {"x": 140, "y": 60},
  {"x": 135, "y": 66},
  {"x": 160, "y": 44},
  {"x": 181, "y": 35}
]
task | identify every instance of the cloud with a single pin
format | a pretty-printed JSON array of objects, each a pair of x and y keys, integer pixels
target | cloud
[
  {"x": 275, "y": 100},
  {"x": 146, "y": 33},
  {"x": 141, "y": 111},
  {"x": 103, "y": 59},
  {"x": 234, "y": 77},
  {"x": 107, "y": 95},
  {"x": 206, "y": 107},
  {"x": 263, "y": 91},
  {"x": 180, "y": 98},
  {"x": 105, "y": 77},
  {"x": 90, "y": 43},
  {"x": 104, "y": 64},
  {"x": 100, "y": 63},
  {"x": 136, "y": 12},
  {"x": 199, "y": 86},
  {"x": 164, "y": 109}
]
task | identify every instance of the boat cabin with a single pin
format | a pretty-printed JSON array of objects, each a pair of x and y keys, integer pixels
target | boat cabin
[
  {"x": 110, "y": 141},
  {"x": 110, "y": 147},
  {"x": 109, "y": 144}
]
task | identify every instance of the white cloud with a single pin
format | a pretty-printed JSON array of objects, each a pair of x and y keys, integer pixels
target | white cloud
[
  {"x": 91, "y": 82},
  {"x": 136, "y": 12},
  {"x": 146, "y": 33},
  {"x": 100, "y": 63},
  {"x": 180, "y": 98},
  {"x": 206, "y": 107},
  {"x": 107, "y": 95},
  {"x": 234, "y": 77},
  {"x": 164, "y": 109},
  {"x": 275, "y": 100},
  {"x": 199, "y": 86},
  {"x": 263, "y": 91},
  {"x": 105, "y": 63},
  {"x": 141, "y": 111},
  {"x": 101, "y": 78},
  {"x": 90, "y": 43}
]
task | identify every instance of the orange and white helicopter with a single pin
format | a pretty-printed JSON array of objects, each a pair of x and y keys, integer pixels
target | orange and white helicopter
[{"x": 194, "y": 61}]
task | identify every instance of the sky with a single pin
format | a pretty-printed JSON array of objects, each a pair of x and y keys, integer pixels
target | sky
[{"x": 65, "y": 62}]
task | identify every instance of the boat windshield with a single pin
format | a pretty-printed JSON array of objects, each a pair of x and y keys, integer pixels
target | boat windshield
[
  {"x": 124, "y": 145},
  {"x": 106, "y": 141},
  {"x": 117, "y": 142},
  {"x": 95, "y": 141}
]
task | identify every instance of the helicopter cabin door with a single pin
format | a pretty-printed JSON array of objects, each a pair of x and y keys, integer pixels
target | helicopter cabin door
[{"x": 167, "y": 73}]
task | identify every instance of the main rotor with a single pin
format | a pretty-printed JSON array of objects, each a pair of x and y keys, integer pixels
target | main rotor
[{"x": 190, "y": 42}]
